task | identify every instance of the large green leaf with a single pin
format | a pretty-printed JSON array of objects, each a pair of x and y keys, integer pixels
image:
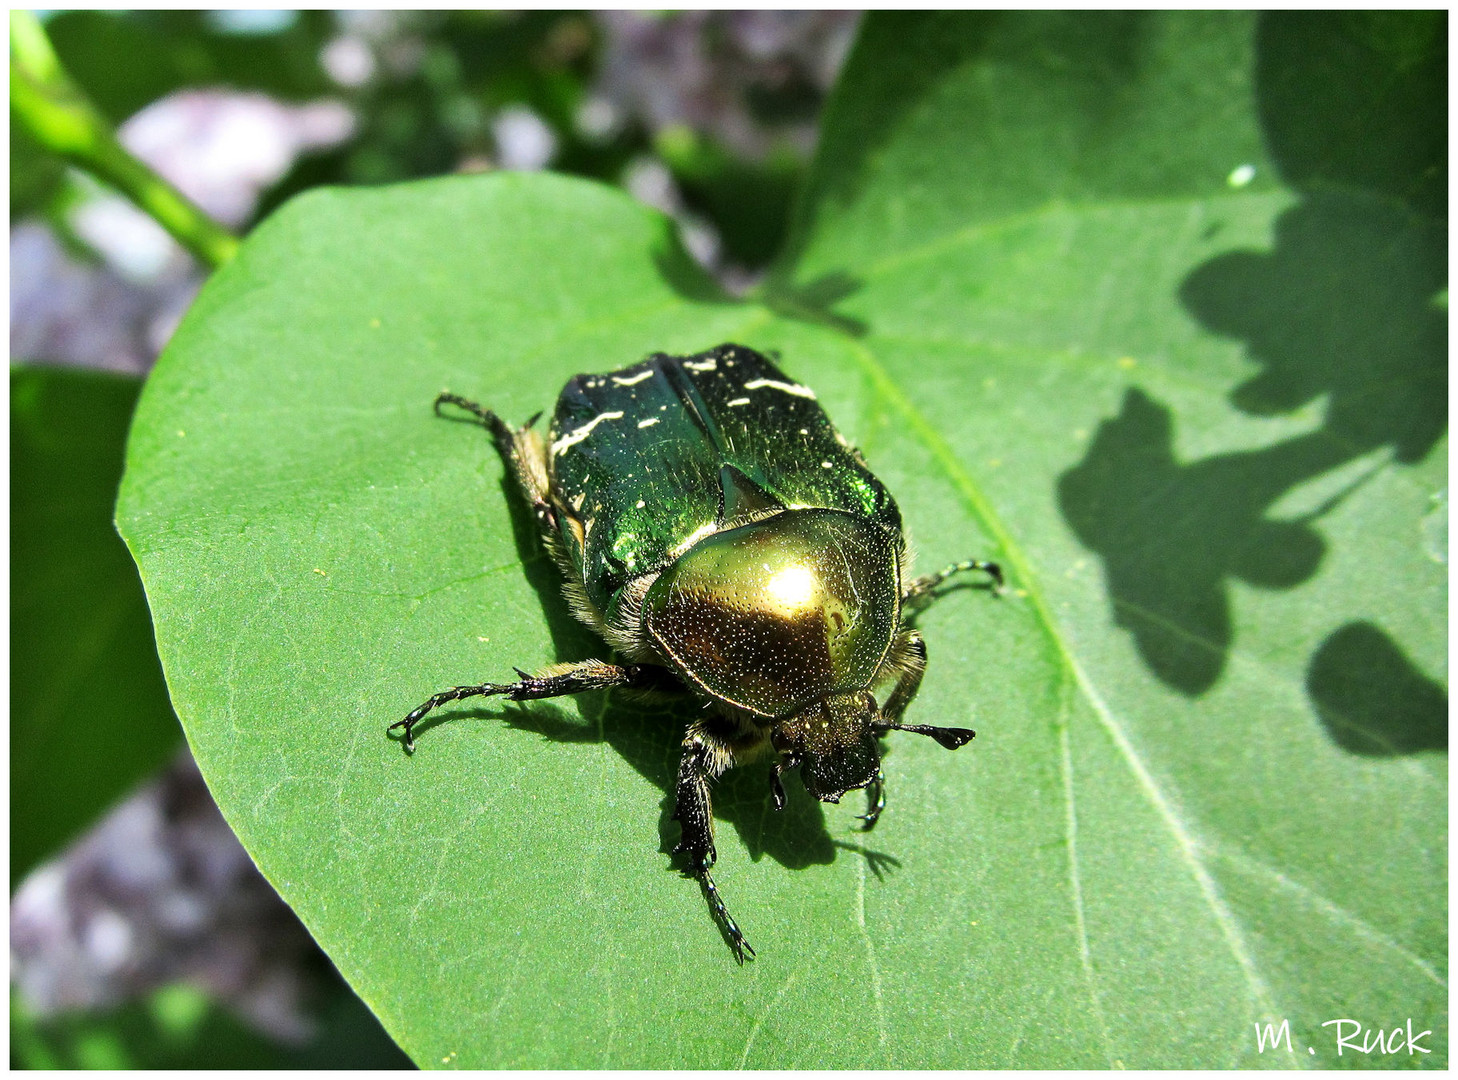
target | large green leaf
[{"x": 1048, "y": 276}]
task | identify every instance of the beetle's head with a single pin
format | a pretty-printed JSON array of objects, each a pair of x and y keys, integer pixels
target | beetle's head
[{"x": 834, "y": 743}]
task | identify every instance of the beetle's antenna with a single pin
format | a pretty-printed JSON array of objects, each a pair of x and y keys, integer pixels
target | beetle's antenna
[{"x": 950, "y": 737}]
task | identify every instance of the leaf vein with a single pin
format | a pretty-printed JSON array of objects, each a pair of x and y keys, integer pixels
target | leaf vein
[
  {"x": 1075, "y": 881},
  {"x": 1333, "y": 911},
  {"x": 770, "y": 1007},
  {"x": 982, "y": 511}
]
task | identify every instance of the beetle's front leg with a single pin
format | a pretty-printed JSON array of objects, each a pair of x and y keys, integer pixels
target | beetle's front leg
[
  {"x": 525, "y": 454},
  {"x": 875, "y": 800},
  {"x": 908, "y": 653},
  {"x": 554, "y": 681},
  {"x": 694, "y": 813}
]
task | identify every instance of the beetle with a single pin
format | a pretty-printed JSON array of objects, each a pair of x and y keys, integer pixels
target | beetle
[{"x": 727, "y": 543}]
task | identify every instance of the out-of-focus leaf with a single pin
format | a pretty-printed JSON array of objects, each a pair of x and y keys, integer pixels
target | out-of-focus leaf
[
  {"x": 89, "y": 713},
  {"x": 35, "y": 175},
  {"x": 126, "y": 60},
  {"x": 180, "y": 1028},
  {"x": 749, "y": 201}
]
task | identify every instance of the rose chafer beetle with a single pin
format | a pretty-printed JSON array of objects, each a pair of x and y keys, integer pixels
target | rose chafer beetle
[{"x": 720, "y": 535}]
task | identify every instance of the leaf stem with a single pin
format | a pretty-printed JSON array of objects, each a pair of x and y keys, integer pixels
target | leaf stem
[{"x": 56, "y": 113}]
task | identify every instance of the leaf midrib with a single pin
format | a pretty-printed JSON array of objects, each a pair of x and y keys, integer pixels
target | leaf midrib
[{"x": 981, "y": 510}]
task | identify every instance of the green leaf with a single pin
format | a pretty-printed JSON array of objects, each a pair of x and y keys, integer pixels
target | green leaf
[
  {"x": 1048, "y": 275},
  {"x": 89, "y": 715},
  {"x": 124, "y": 61}
]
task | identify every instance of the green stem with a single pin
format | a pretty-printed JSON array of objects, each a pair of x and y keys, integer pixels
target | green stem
[{"x": 58, "y": 116}]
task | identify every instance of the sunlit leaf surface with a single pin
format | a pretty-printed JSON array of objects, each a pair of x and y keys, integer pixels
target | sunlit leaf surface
[{"x": 1149, "y": 307}]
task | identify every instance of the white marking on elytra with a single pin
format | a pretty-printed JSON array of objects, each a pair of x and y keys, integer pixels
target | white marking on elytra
[
  {"x": 789, "y": 388},
  {"x": 649, "y": 422},
  {"x": 693, "y": 538},
  {"x": 705, "y": 365},
  {"x": 575, "y": 437},
  {"x": 633, "y": 380},
  {"x": 739, "y": 401}
]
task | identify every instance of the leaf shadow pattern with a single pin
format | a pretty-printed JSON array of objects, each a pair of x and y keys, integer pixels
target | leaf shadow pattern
[
  {"x": 1344, "y": 308},
  {"x": 1372, "y": 699},
  {"x": 1171, "y": 535}
]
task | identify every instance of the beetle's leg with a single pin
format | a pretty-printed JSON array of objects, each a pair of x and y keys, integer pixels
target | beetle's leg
[
  {"x": 876, "y": 800},
  {"x": 480, "y": 412},
  {"x": 694, "y": 813},
  {"x": 525, "y": 454},
  {"x": 919, "y": 587},
  {"x": 777, "y": 789},
  {"x": 552, "y": 682},
  {"x": 908, "y": 654}
]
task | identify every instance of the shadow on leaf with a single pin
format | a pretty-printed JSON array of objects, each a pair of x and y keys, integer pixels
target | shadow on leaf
[
  {"x": 1357, "y": 100},
  {"x": 1172, "y": 534},
  {"x": 1371, "y": 697},
  {"x": 813, "y": 302},
  {"x": 1344, "y": 309}
]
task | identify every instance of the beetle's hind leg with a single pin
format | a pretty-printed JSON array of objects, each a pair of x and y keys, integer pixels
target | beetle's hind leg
[
  {"x": 920, "y": 587},
  {"x": 554, "y": 681},
  {"x": 693, "y": 811}
]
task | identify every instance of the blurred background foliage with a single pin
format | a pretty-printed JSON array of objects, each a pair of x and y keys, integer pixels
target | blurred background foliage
[{"x": 141, "y": 935}]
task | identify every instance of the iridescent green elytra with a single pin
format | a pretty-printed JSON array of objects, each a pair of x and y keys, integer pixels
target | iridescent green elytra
[{"x": 719, "y": 534}]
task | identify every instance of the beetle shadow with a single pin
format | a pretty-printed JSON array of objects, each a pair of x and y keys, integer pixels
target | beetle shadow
[
  {"x": 814, "y": 302},
  {"x": 878, "y": 862}
]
